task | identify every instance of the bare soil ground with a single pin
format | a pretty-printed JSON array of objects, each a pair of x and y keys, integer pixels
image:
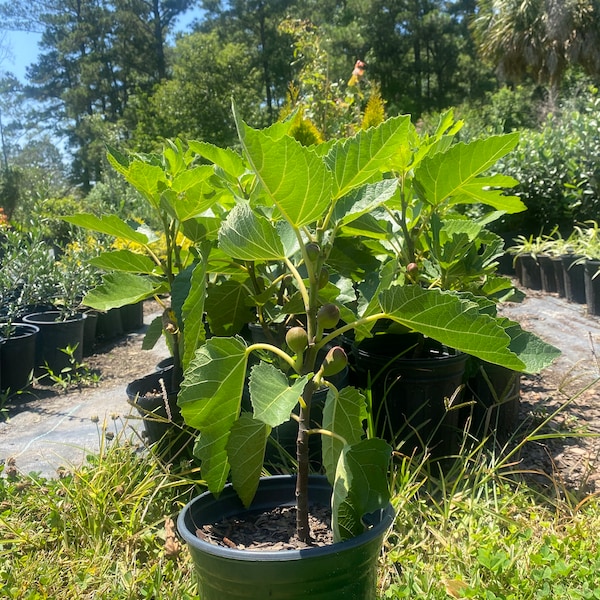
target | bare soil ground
[{"x": 566, "y": 454}]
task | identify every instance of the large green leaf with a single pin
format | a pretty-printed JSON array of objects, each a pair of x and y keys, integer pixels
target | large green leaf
[
  {"x": 191, "y": 194},
  {"x": 362, "y": 201},
  {"x": 294, "y": 178},
  {"x": 147, "y": 178},
  {"x": 246, "y": 235},
  {"x": 225, "y": 158},
  {"x": 108, "y": 224},
  {"x": 210, "y": 400},
  {"x": 451, "y": 320},
  {"x": 361, "y": 486},
  {"x": 533, "y": 351},
  {"x": 153, "y": 333},
  {"x": 246, "y": 452},
  {"x": 124, "y": 260},
  {"x": 482, "y": 190},
  {"x": 358, "y": 159},
  {"x": 454, "y": 173},
  {"x": 118, "y": 289},
  {"x": 273, "y": 398},
  {"x": 343, "y": 413},
  {"x": 194, "y": 332},
  {"x": 227, "y": 308}
]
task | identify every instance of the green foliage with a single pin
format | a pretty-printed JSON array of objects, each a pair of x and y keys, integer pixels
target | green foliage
[
  {"x": 195, "y": 103},
  {"x": 326, "y": 108},
  {"x": 479, "y": 532},
  {"x": 102, "y": 530},
  {"x": 557, "y": 170},
  {"x": 10, "y": 190},
  {"x": 300, "y": 200},
  {"x": 76, "y": 374}
]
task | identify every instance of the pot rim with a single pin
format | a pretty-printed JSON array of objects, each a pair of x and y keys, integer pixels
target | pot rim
[
  {"x": 34, "y": 318},
  {"x": 386, "y": 518},
  {"x": 31, "y": 329}
]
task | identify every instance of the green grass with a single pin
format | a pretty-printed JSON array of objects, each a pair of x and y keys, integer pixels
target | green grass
[{"x": 472, "y": 529}]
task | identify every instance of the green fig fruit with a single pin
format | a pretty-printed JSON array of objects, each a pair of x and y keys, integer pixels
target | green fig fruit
[
  {"x": 334, "y": 362},
  {"x": 328, "y": 316},
  {"x": 297, "y": 339}
]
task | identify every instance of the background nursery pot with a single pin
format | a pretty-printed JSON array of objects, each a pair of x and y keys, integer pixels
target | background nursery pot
[
  {"x": 56, "y": 334},
  {"x": 592, "y": 286},
  {"x": 17, "y": 357},
  {"x": 574, "y": 278},
  {"x": 412, "y": 394},
  {"x": 342, "y": 571},
  {"x": 163, "y": 423}
]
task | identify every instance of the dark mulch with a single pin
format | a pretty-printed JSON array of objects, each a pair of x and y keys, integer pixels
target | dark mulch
[{"x": 274, "y": 530}]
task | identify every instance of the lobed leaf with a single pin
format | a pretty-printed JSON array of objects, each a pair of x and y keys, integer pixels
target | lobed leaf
[
  {"x": 118, "y": 289},
  {"x": 451, "y": 320},
  {"x": 246, "y": 235},
  {"x": 273, "y": 399},
  {"x": 246, "y": 452},
  {"x": 210, "y": 401},
  {"x": 360, "y": 487},
  {"x": 294, "y": 178},
  {"x": 343, "y": 413}
]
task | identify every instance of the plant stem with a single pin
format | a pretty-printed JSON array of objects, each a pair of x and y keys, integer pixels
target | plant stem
[{"x": 302, "y": 527}]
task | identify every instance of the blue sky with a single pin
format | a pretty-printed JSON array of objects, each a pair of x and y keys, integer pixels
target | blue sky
[
  {"x": 24, "y": 50},
  {"x": 24, "y": 46}
]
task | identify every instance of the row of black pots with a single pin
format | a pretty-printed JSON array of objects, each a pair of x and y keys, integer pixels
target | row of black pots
[
  {"x": 36, "y": 344},
  {"x": 568, "y": 276}
]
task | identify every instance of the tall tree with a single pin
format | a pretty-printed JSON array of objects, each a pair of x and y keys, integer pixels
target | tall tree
[
  {"x": 539, "y": 38},
  {"x": 195, "y": 103},
  {"x": 420, "y": 51},
  {"x": 254, "y": 23},
  {"x": 95, "y": 55}
]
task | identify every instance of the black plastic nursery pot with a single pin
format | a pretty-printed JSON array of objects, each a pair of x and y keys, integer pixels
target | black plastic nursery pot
[
  {"x": 17, "y": 357},
  {"x": 342, "y": 571},
  {"x": 412, "y": 398},
  {"x": 89, "y": 332},
  {"x": 529, "y": 270},
  {"x": 592, "y": 286},
  {"x": 574, "y": 278},
  {"x": 54, "y": 336},
  {"x": 547, "y": 278},
  {"x": 559, "y": 276},
  {"x": 110, "y": 324},
  {"x": 163, "y": 423},
  {"x": 132, "y": 316},
  {"x": 495, "y": 394}
]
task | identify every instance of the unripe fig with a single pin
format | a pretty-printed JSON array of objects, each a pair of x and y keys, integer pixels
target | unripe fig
[
  {"x": 297, "y": 339},
  {"x": 334, "y": 362},
  {"x": 328, "y": 316},
  {"x": 313, "y": 251},
  {"x": 323, "y": 277}
]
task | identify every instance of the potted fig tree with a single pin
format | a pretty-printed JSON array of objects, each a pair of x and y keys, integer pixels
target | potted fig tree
[
  {"x": 299, "y": 205},
  {"x": 164, "y": 259}
]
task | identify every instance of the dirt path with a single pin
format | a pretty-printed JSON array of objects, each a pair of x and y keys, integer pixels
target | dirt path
[{"x": 572, "y": 456}]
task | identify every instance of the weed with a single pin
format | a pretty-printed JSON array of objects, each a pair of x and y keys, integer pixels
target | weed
[
  {"x": 76, "y": 374},
  {"x": 98, "y": 531}
]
